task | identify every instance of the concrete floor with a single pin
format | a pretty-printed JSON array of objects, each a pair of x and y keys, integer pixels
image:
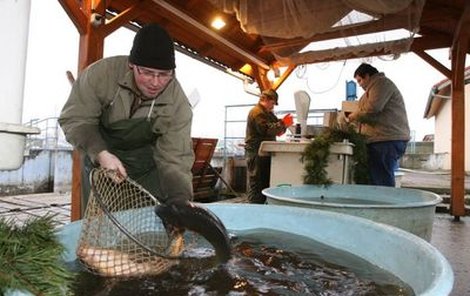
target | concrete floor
[{"x": 451, "y": 238}]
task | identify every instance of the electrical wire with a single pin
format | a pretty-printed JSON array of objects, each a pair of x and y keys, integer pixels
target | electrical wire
[{"x": 328, "y": 88}]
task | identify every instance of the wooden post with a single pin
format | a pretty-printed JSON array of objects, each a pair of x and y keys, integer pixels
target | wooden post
[
  {"x": 457, "y": 202},
  {"x": 459, "y": 51},
  {"x": 90, "y": 50},
  {"x": 88, "y": 16}
]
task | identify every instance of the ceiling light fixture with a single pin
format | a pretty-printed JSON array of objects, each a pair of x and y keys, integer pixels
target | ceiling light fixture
[{"x": 218, "y": 23}]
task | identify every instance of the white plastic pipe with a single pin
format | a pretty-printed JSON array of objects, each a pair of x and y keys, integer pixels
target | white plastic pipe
[{"x": 14, "y": 26}]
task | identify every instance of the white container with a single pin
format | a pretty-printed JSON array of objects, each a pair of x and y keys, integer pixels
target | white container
[
  {"x": 14, "y": 26},
  {"x": 288, "y": 168},
  {"x": 409, "y": 209}
]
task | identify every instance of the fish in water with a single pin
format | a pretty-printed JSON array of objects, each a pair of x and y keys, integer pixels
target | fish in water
[
  {"x": 190, "y": 216},
  {"x": 114, "y": 263}
]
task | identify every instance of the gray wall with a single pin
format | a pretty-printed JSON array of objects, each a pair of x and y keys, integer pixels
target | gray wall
[
  {"x": 420, "y": 156},
  {"x": 43, "y": 170}
]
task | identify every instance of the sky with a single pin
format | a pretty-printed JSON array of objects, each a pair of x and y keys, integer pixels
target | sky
[{"x": 53, "y": 50}]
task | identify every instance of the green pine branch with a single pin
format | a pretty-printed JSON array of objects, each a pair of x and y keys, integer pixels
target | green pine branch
[
  {"x": 315, "y": 159},
  {"x": 315, "y": 156},
  {"x": 30, "y": 258}
]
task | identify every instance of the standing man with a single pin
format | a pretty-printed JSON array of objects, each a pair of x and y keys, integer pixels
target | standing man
[
  {"x": 382, "y": 117},
  {"x": 130, "y": 114},
  {"x": 262, "y": 125}
]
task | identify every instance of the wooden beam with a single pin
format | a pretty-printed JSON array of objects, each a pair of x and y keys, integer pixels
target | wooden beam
[
  {"x": 463, "y": 25},
  {"x": 187, "y": 21},
  {"x": 90, "y": 50},
  {"x": 433, "y": 62},
  {"x": 338, "y": 54},
  {"x": 457, "y": 201},
  {"x": 261, "y": 77},
  {"x": 277, "y": 83},
  {"x": 76, "y": 203},
  {"x": 123, "y": 18},
  {"x": 385, "y": 24},
  {"x": 428, "y": 42},
  {"x": 76, "y": 15},
  {"x": 459, "y": 50},
  {"x": 419, "y": 44},
  {"x": 442, "y": 11},
  {"x": 91, "y": 47}
]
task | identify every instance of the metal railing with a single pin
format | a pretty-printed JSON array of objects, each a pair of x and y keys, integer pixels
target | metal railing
[
  {"x": 51, "y": 136},
  {"x": 315, "y": 117}
]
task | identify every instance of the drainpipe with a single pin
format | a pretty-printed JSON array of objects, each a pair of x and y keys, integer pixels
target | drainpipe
[
  {"x": 435, "y": 91},
  {"x": 14, "y": 26}
]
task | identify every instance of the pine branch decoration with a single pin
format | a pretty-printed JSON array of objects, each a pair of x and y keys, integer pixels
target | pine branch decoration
[
  {"x": 315, "y": 159},
  {"x": 315, "y": 156},
  {"x": 30, "y": 258}
]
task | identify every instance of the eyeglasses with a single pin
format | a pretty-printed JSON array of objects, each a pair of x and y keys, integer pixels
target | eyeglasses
[{"x": 163, "y": 76}]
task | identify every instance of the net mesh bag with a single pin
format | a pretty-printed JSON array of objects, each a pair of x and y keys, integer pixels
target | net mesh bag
[{"x": 121, "y": 234}]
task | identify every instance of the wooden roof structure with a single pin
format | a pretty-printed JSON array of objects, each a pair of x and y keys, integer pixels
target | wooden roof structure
[{"x": 443, "y": 24}]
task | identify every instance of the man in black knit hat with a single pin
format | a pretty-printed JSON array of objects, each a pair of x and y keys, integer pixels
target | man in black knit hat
[{"x": 130, "y": 114}]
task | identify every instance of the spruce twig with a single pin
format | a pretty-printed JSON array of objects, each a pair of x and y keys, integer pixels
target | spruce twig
[
  {"x": 30, "y": 258},
  {"x": 315, "y": 156}
]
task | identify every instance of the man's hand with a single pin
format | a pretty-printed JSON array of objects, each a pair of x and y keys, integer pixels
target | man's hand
[
  {"x": 111, "y": 162},
  {"x": 288, "y": 120},
  {"x": 351, "y": 117}
]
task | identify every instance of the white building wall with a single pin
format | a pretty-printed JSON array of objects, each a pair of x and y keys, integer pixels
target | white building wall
[{"x": 443, "y": 132}]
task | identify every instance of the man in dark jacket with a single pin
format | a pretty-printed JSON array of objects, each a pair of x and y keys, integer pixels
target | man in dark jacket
[{"x": 262, "y": 125}]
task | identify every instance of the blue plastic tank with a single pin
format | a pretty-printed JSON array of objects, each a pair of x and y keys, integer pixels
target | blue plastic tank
[{"x": 351, "y": 88}]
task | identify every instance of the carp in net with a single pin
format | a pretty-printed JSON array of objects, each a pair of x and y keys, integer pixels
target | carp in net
[{"x": 127, "y": 232}]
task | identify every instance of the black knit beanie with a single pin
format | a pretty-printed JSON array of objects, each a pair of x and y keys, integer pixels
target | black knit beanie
[{"x": 153, "y": 48}]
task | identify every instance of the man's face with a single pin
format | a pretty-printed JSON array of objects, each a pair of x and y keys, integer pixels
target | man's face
[
  {"x": 363, "y": 82},
  {"x": 270, "y": 103},
  {"x": 151, "y": 82}
]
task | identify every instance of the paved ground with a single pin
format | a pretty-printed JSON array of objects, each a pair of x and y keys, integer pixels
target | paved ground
[
  {"x": 23, "y": 207},
  {"x": 451, "y": 238},
  {"x": 438, "y": 182}
]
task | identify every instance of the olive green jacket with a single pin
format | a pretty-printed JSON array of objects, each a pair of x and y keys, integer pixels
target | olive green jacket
[
  {"x": 262, "y": 125},
  {"x": 108, "y": 84}
]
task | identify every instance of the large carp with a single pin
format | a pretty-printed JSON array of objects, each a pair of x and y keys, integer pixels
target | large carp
[{"x": 179, "y": 217}]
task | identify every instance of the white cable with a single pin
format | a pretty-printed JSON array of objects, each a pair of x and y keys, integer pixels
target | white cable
[{"x": 329, "y": 88}]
